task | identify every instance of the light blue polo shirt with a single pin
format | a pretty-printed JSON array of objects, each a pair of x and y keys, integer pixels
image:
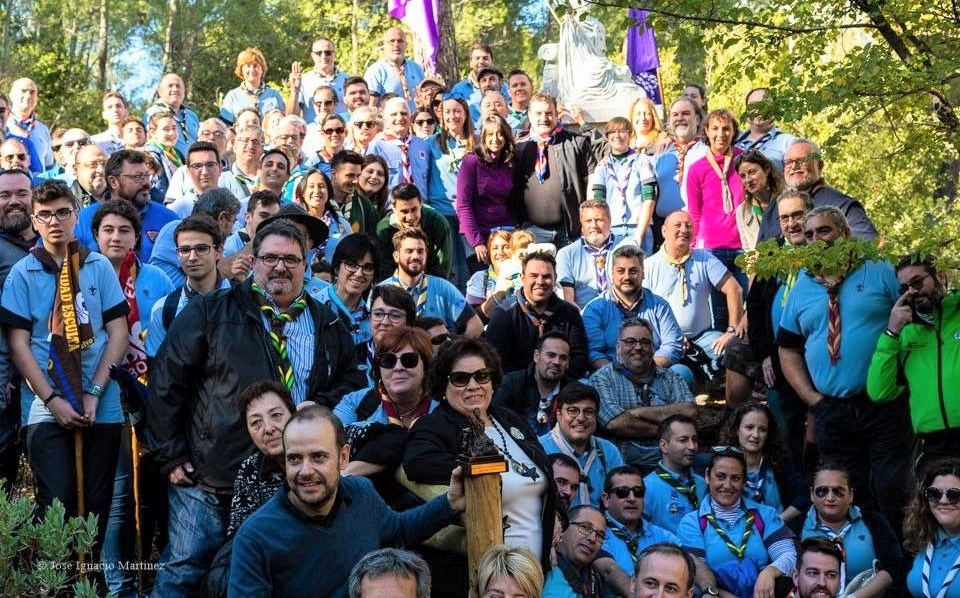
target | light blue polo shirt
[
  {"x": 444, "y": 169},
  {"x": 27, "y": 301},
  {"x": 672, "y": 195},
  {"x": 444, "y": 301},
  {"x": 946, "y": 552},
  {"x": 309, "y": 83},
  {"x": 708, "y": 545},
  {"x": 648, "y": 535},
  {"x": 418, "y": 153},
  {"x": 665, "y": 506},
  {"x": 704, "y": 273},
  {"x": 576, "y": 268},
  {"x": 383, "y": 78},
  {"x": 237, "y": 99},
  {"x": 857, "y": 540},
  {"x": 773, "y": 144},
  {"x": 602, "y": 317},
  {"x": 609, "y": 458}
]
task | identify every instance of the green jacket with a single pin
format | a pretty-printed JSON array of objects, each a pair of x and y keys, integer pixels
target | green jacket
[
  {"x": 925, "y": 360},
  {"x": 435, "y": 226}
]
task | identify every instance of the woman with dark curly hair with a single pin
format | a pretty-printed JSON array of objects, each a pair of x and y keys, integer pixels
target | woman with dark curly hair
[
  {"x": 762, "y": 184},
  {"x": 931, "y": 528},
  {"x": 373, "y": 181},
  {"x": 466, "y": 373},
  {"x": 772, "y": 477}
]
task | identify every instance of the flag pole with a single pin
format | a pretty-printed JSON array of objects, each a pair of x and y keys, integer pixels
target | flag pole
[{"x": 138, "y": 524}]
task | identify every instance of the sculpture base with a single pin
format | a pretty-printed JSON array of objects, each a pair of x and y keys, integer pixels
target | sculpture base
[{"x": 601, "y": 111}]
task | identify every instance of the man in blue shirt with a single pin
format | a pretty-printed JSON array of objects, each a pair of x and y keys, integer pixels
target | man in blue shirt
[
  {"x": 672, "y": 164},
  {"x": 763, "y": 134},
  {"x": 582, "y": 265},
  {"x": 394, "y": 73},
  {"x": 128, "y": 176},
  {"x": 171, "y": 94},
  {"x": 574, "y": 435},
  {"x": 673, "y": 490},
  {"x": 324, "y": 72},
  {"x": 23, "y": 124},
  {"x": 828, "y": 328},
  {"x": 408, "y": 157}
]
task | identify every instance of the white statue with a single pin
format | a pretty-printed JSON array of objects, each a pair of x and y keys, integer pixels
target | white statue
[{"x": 585, "y": 77}]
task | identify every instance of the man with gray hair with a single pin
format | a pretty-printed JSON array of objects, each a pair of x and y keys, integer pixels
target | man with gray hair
[
  {"x": 582, "y": 265},
  {"x": 399, "y": 573},
  {"x": 803, "y": 171},
  {"x": 829, "y": 326},
  {"x": 686, "y": 146}
]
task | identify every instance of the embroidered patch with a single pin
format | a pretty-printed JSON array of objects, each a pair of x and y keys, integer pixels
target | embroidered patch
[{"x": 516, "y": 433}]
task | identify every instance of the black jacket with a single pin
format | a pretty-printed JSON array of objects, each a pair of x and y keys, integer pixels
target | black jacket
[
  {"x": 434, "y": 444},
  {"x": 519, "y": 393},
  {"x": 215, "y": 347},
  {"x": 573, "y": 158}
]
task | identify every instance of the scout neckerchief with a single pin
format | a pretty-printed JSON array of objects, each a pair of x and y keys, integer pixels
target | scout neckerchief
[
  {"x": 631, "y": 540},
  {"x": 541, "y": 166},
  {"x": 278, "y": 340},
  {"x": 180, "y": 116},
  {"x": 722, "y": 174},
  {"x": 925, "y": 574},
  {"x": 417, "y": 290},
  {"x": 738, "y": 551},
  {"x": 755, "y": 486},
  {"x": 253, "y": 94},
  {"x": 401, "y": 70},
  {"x": 26, "y": 125},
  {"x": 620, "y": 169},
  {"x": 326, "y": 79},
  {"x": 70, "y": 328},
  {"x": 687, "y": 491},
  {"x": 135, "y": 359},
  {"x": 539, "y": 321},
  {"x": 170, "y": 153},
  {"x": 403, "y": 144},
  {"x": 593, "y": 453},
  {"x": 457, "y": 151},
  {"x": 599, "y": 255},
  {"x": 682, "y": 149},
  {"x": 585, "y": 583},
  {"x": 833, "y": 316},
  {"x": 404, "y": 420},
  {"x": 837, "y": 538},
  {"x": 680, "y": 264},
  {"x": 490, "y": 281}
]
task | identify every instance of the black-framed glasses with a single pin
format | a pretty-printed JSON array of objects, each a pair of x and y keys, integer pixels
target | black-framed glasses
[
  {"x": 823, "y": 491},
  {"x": 271, "y": 261},
  {"x": 799, "y": 215},
  {"x": 915, "y": 283},
  {"x": 438, "y": 340},
  {"x": 47, "y": 216},
  {"x": 364, "y": 124},
  {"x": 335, "y": 131},
  {"x": 585, "y": 529},
  {"x": 461, "y": 379},
  {"x": 138, "y": 178},
  {"x": 798, "y": 162},
  {"x": 395, "y": 316},
  {"x": 352, "y": 267},
  {"x": 934, "y": 494},
  {"x": 199, "y": 248},
  {"x": 632, "y": 342},
  {"x": 322, "y": 52},
  {"x": 622, "y": 492},
  {"x": 198, "y": 166},
  {"x": 408, "y": 360},
  {"x": 574, "y": 412},
  {"x": 425, "y": 122}
]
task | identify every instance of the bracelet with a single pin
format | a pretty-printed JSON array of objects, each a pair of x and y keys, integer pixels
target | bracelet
[
  {"x": 891, "y": 333},
  {"x": 53, "y": 394},
  {"x": 95, "y": 390},
  {"x": 731, "y": 330}
]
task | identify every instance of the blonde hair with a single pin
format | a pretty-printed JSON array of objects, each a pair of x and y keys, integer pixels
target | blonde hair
[
  {"x": 657, "y": 123},
  {"x": 518, "y": 563},
  {"x": 519, "y": 241},
  {"x": 248, "y": 56}
]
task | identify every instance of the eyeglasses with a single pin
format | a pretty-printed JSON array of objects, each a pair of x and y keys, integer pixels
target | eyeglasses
[
  {"x": 198, "y": 166},
  {"x": 633, "y": 342},
  {"x": 438, "y": 340},
  {"x": 335, "y": 131},
  {"x": 75, "y": 142},
  {"x": 799, "y": 215},
  {"x": 47, "y": 217},
  {"x": 10, "y": 157},
  {"x": 271, "y": 261},
  {"x": 437, "y": 102},
  {"x": 622, "y": 492},
  {"x": 461, "y": 379},
  {"x": 934, "y": 494},
  {"x": 364, "y": 124},
  {"x": 408, "y": 360},
  {"x": 823, "y": 491},
  {"x": 199, "y": 248},
  {"x": 352, "y": 267},
  {"x": 915, "y": 283},
  {"x": 425, "y": 122},
  {"x": 322, "y": 52},
  {"x": 726, "y": 450},
  {"x": 250, "y": 142},
  {"x": 585, "y": 529},
  {"x": 378, "y": 315},
  {"x": 55, "y": 148},
  {"x": 575, "y": 412},
  {"x": 138, "y": 178},
  {"x": 798, "y": 162},
  {"x": 212, "y": 134},
  {"x": 92, "y": 165}
]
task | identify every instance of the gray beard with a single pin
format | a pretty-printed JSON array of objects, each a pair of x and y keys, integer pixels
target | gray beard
[{"x": 14, "y": 225}]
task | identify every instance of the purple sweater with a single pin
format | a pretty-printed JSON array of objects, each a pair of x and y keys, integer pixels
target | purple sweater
[
  {"x": 712, "y": 229},
  {"x": 483, "y": 197}
]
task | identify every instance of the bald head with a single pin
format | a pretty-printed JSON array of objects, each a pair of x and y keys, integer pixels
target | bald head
[
  {"x": 394, "y": 45},
  {"x": 91, "y": 169},
  {"x": 678, "y": 233},
  {"x": 171, "y": 90},
  {"x": 13, "y": 154},
  {"x": 24, "y": 96},
  {"x": 493, "y": 102}
]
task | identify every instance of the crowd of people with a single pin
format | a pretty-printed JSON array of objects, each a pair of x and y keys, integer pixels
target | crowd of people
[{"x": 259, "y": 344}]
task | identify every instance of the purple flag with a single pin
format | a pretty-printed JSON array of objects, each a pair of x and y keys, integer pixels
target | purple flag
[
  {"x": 421, "y": 17},
  {"x": 642, "y": 56}
]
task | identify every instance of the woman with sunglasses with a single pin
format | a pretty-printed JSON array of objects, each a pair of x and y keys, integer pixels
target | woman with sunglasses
[
  {"x": 326, "y": 139},
  {"x": 466, "y": 373},
  {"x": 373, "y": 181},
  {"x": 772, "y": 477},
  {"x": 424, "y": 123},
  {"x": 379, "y": 418},
  {"x": 931, "y": 528},
  {"x": 485, "y": 185},
  {"x": 762, "y": 183},
  {"x": 364, "y": 126},
  {"x": 864, "y": 536},
  {"x": 746, "y": 544}
]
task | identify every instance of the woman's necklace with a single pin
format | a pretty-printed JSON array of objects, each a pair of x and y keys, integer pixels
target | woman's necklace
[{"x": 521, "y": 468}]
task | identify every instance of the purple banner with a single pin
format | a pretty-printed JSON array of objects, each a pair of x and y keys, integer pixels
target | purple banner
[
  {"x": 642, "y": 56},
  {"x": 421, "y": 17}
]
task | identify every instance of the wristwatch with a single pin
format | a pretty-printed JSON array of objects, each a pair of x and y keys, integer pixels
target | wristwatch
[
  {"x": 95, "y": 390},
  {"x": 731, "y": 330}
]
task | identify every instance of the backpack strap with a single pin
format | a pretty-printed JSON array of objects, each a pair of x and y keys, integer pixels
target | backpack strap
[
  {"x": 368, "y": 404},
  {"x": 169, "y": 310}
]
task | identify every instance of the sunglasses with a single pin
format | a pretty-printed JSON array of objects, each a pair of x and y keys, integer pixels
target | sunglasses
[
  {"x": 461, "y": 379},
  {"x": 363, "y": 124},
  {"x": 322, "y": 52},
  {"x": 625, "y": 491},
  {"x": 388, "y": 361},
  {"x": 915, "y": 283},
  {"x": 726, "y": 450},
  {"x": 823, "y": 491},
  {"x": 439, "y": 339},
  {"x": 335, "y": 131},
  {"x": 427, "y": 122},
  {"x": 934, "y": 495}
]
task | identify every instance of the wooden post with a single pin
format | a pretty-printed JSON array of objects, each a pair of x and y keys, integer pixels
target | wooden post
[
  {"x": 81, "y": 506},
  {"x": 484, "y": 515}
]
